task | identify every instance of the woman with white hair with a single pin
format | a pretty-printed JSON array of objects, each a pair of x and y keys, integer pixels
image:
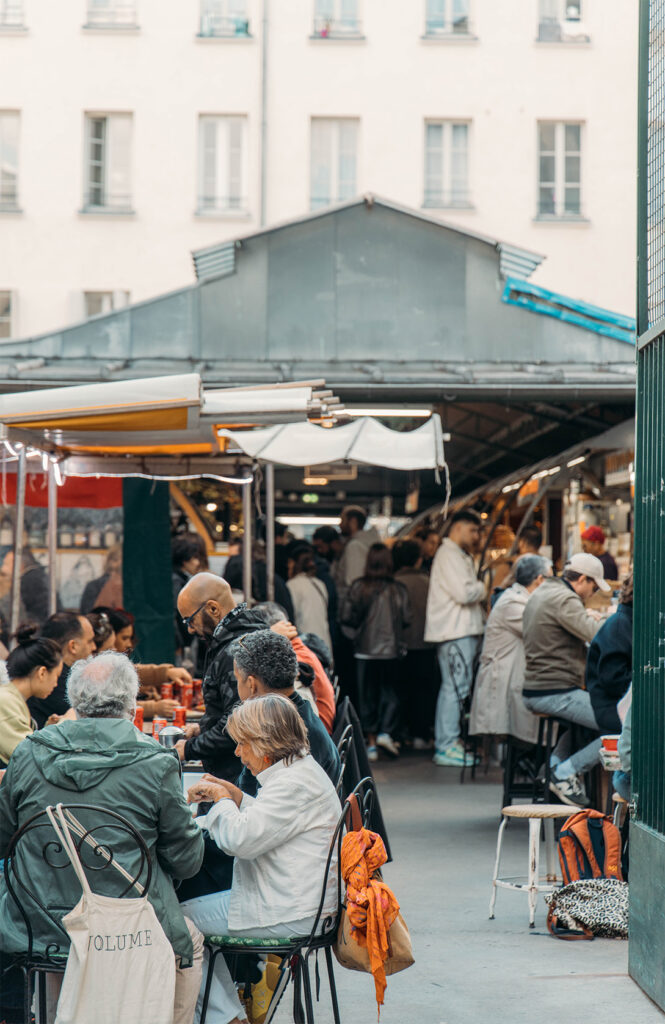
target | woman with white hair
[
  {"x": 103, "y": 760},
  {"x": 280, "y": 839}
]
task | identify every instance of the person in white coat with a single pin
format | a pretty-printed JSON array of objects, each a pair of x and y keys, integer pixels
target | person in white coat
[
  {"x": 498, "y": 708},
  {"x": 280, "y": 840},
  {"x": 309, "y": 595},
  {"x": 455, "y": 621}
]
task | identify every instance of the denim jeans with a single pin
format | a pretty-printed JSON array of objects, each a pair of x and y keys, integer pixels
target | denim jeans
[
  {"x": 621, "y": 782},
  {"x": 574, "y": 706},
  {"x": 456, "y": 660}
]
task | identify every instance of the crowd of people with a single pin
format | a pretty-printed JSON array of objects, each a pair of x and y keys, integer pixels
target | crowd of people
[{"x": 410, "y": 634}]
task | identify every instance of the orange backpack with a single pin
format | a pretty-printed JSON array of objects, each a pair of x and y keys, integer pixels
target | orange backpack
[{"x": 589, "y": 847}]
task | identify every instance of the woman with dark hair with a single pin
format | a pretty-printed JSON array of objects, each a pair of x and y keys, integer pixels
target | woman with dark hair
[
  {"x": 103, "y": 630},
  {"x": 309, "y": 594},
  {"x": 609, "y": 664},
  {"x": 33, "y": 668},
  {"x": 377, "y": 608}
]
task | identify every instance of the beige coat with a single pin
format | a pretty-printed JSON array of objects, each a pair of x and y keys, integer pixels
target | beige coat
[
  {"x": 15, "y": 723},
  {"x": 498, "y": 706}
]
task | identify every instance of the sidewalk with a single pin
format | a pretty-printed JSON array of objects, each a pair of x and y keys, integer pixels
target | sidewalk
[{"x": 470, "y": 970}]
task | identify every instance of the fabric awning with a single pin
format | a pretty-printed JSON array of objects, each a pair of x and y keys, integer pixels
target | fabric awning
[{"x": 364, "y": 441}]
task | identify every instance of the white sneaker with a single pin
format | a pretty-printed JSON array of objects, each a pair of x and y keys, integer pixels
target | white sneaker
[
  {"x": 388, "y": 744},
  {"x": 420, "y": 744},
  {"x": 570, "y": 791},
  {"x": 372, "y": 754}
]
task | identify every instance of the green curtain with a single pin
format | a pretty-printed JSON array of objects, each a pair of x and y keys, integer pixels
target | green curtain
[{"x": 146, "y": 568}]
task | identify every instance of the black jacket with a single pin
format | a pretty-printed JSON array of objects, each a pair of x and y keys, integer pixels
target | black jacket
[
  {"x": 233, "y": 576},
  {"x": 609, "y": 667},
  {"x": 214, "y": 747},
  {"x": 378, "y": 611}
]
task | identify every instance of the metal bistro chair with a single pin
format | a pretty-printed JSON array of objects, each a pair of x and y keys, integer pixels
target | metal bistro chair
[
  {"x": 296, "y": 950},
  {"x": 345, "y": 741},
  {"x": 96, "y": 854}
]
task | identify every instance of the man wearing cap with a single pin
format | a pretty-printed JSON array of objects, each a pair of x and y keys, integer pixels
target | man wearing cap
[
  {"x": 593, "y": 542},
  {"x": 556, "y": 629}
]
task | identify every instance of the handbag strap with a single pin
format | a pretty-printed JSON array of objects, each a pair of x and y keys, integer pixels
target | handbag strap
[
  {"x": 74, "y": 825},
  {"x": 568, "y": 934},
  {"x": 61, "y": 829}
]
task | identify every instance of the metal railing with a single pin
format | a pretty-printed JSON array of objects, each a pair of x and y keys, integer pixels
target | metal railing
[
  {"x": 447, "y": 198},
  {"x": 554, "y": 30},
  {"x": 112, "y": 15},
  {"x": 218, "y": 25},
  {"x": 11, "y": 14},
  {"x": 336, "y": 28},
  {"x": 99, "y": 199},
  {"x": 8, "y": 196},
  {"x": 221, "y": 204},
  {"x": 460, "y": 26}
]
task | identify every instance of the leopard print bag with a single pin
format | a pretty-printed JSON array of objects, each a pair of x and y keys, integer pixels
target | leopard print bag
[{"x": 588, "y": 907}]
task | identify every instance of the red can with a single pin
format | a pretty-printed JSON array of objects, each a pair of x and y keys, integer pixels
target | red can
[
  {"x": 177, "y": 690},
  {"x": 166, "y": 691},
  {"x": 187, "y": 697},
  {"x": 180, "y": 716},
  {"x": 138, "y": 719},
  {"x": 157, "y": 725},
  {"x": 198, "y": 691}
]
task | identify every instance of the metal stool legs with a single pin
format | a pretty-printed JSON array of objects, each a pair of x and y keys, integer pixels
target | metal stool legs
[{"x": 502, "y": 828}]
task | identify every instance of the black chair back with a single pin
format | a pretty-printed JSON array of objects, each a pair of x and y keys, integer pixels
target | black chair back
[
  {"x": 364, "y": 793},
  {"x": 343, "y": 744},
  {"x": 108, "y": 840}
]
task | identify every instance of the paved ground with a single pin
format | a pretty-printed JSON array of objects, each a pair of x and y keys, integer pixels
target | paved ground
[{"x": 470, "y": 970}]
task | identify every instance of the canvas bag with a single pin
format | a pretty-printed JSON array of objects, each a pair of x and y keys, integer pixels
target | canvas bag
[
  {"x": 588, "y": 907},
  {"x": 121, "y": 966},
  {"x": 351, "y": 954}
]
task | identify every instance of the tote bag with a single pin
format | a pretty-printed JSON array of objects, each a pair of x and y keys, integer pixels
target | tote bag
[{"x": 121, "y": 966}]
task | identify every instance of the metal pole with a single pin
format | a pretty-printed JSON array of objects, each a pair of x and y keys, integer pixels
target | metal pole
[
  {"x": 270, "y": 530},
  {"x": 18, "y": 541},
  {"x": 247, "y": 538},
  {"x": 52, "y": 538}
]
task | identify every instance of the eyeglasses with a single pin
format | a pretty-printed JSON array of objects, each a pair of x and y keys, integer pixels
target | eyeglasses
[{"x": 190, "y": 618}]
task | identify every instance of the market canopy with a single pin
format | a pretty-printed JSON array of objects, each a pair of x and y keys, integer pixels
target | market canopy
[{"x": 364, "y": 441}]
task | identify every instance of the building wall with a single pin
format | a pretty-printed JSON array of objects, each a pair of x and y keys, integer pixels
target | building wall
[{"x": 502, "y": 81}]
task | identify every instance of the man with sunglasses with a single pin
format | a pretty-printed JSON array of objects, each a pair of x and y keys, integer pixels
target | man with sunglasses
[
  {"x": 208, "y": 610},
  {"x": 556, "y": 631}
]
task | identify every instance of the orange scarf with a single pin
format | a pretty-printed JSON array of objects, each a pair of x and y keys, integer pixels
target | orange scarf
[{"x": 371, "y": 907}]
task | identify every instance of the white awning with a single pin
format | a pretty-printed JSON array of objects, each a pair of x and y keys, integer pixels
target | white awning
[{"x": 365, "y": 441}]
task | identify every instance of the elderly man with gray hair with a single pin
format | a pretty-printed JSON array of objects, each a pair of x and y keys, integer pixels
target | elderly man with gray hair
[
  {"x": 498, "y": 707},
  {"x": 103, "y": 760}
]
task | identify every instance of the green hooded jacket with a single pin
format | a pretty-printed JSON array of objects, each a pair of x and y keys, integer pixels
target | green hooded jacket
[{"x": 106, "y": 762}]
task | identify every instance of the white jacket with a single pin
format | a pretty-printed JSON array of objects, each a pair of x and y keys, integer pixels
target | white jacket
[
  {"x": 280, "y": 840},
  {"x": 310, "y": 606},
  {"x": 455, "y": 593}
]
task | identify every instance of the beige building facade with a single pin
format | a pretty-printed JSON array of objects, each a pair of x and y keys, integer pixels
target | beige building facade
[{"x": 134, "y": 132}]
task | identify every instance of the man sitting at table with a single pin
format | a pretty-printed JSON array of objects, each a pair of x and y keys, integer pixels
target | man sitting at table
[{"x": 208, "y": 609}]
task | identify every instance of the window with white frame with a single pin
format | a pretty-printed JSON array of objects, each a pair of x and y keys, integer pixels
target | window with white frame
[
  {"x": 560, "y": 21},
  {"x": 111, "y": 14},
  {"x": 446, "y": 164},
  {"x": 108, "y": 152},
  {"x": 104, "y": 302},
  {"x": 335, "y": 18},
  {"x": 559, "y": 169},
  {"x": 5, "y": 314},
  {"x": 222, "y": 180},
  {"x": 447, "y": 17},
  {"x": 333, "y": 160},
  {"x": 224, "y": 18},
  {"x": 9, "y": 130},
  {"x": 11, "y": 14}
]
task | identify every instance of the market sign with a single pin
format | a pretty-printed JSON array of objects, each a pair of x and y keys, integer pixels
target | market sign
[{"x": 619, "y": 468}]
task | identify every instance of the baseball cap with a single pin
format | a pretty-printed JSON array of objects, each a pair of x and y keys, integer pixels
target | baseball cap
[
  {"x": 589, "y": 565},
  {"x": 595, "y": 534}
]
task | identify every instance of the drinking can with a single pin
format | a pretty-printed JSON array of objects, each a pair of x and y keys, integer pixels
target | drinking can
[
  {"x": 187, "y": 697},
  {"x": 180, "y": 716},
  {"x": 138, "y": 719},
  {"x": 157, "y": 725},
  {"x": 166, "y": 691}
]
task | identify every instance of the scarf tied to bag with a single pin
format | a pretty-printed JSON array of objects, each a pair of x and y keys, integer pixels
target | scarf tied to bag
[{"x": 371, "y": 906}]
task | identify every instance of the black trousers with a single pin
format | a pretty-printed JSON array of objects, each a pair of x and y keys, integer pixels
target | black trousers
[
  {"x": 419, "y": 683},
  {"x": 380, "y": 708}
]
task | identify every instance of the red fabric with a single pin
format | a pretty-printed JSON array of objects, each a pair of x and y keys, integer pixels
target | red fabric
[
  {"x": 76, "y": 492},
  {"x": 595, "y": 534},
  {"x": 324, "y": 695}
]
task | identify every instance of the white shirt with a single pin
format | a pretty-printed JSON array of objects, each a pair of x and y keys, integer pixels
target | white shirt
[
  {"x": 310, "y": 606},
  {"x": 280, "y": 840},
  {"x": 455, "y": 593}
]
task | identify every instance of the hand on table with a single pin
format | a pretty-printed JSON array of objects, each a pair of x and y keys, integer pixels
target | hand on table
[
  {"x": 180, "y": 749},
  {"x": 178, "y": 675},
  {"x": 69, "y": 716},
  {"x": 191, "y": 730},
  {"x": 286, "y": 629},
  {"x": 164, "y": 708},
  {"x": 233, "y": 791},
  {"x": 208, "y": 792}
]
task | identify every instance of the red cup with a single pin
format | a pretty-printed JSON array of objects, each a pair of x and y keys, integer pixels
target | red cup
[
  {"x": 166, "y": 691},
  {"x": 157, "y": 725},
  {"x": 138, "y": 719},
  {"x": 187, "y": 697},
  {"x": 180, "y": 716},
  {"x": 610, "y": 742}
]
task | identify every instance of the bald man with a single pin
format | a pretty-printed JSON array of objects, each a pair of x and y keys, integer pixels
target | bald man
[{"x": 208, "y": 610}]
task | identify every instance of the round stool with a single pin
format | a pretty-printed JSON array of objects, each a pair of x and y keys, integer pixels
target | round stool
[
  {"x": 534, "y": 814},
  {"x": 620, "y": 808}
]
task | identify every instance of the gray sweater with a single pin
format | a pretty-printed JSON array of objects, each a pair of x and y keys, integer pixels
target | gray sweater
[{"x": 556, "y": 630}]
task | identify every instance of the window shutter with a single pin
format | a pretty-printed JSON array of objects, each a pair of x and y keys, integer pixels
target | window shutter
[{"x": 118, "y": 175}]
